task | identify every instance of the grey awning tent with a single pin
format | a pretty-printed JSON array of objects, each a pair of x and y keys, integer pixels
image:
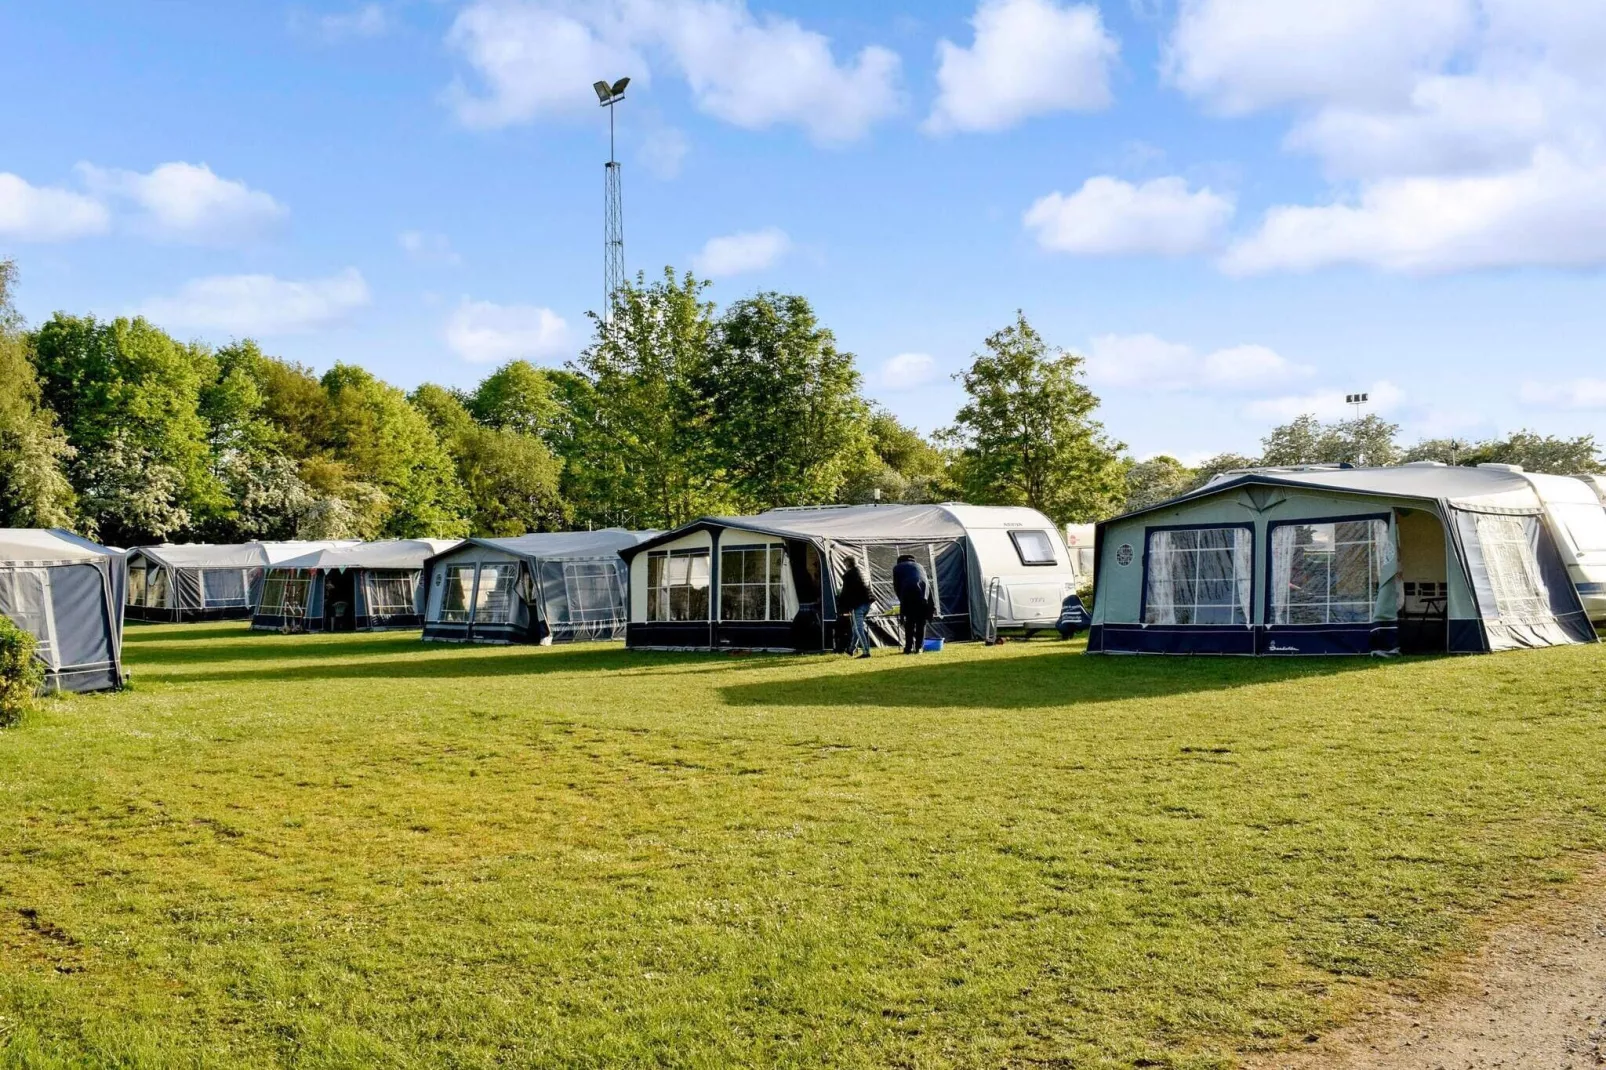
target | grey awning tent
[
  {"x": 769, "y": 581},
  {"x": 368, "y": 586},
  {"x": 1416, "y": 558},
  {"x": 176, "y": 582},
  {"x": 546, "y": 587},
  {"x": 68, "y": 593}
]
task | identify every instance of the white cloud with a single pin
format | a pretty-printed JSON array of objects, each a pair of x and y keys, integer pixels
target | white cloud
[
  {"x": 1575, "y": 394},
  {"x": 428, "y": 248},
  {"x": 369, "y": 20},
  {"x": 1325, "y": 404},
  {"x": 663, "y": 150},
  {"x": 1145, "y": 361},
  {"x": 907, "y": 371},
  {"x": 187, "y": 202},
  {"x": 260, "y": 304},
  {"x": 46, "y": 213},
  {"x": 539, "y": 57},
  {"x": 735, "y": 254},
  {"x": 1108, "y": 216},
  {"x": 1551, "y": 213},
  {"x": 1030, "y": 57},
  {"x": 1243, "y": 55},
  {"x": 484, "y": 333}
]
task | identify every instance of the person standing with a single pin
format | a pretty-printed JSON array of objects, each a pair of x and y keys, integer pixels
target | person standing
[
  {"x": 914, "y": 601},
  {"x": 855, "y": 598}
]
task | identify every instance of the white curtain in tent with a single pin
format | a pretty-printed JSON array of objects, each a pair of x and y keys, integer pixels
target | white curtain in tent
[
  {"x": 1332, "y": 572},
  {"x": 1510, "y": 554},
  {"x": 1199, "y": 576}
]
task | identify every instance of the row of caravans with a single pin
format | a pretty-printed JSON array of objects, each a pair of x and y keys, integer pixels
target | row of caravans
[{"x": 1317, "y": 560}]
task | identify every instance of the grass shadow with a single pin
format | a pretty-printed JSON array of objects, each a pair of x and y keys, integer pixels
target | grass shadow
[{"x": 1019, "y": 683}]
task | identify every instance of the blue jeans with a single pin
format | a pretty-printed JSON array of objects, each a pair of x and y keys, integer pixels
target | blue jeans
[{"x": 861, "y": 631}]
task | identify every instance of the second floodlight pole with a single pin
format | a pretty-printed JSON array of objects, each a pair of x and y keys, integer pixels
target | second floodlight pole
[{"x": 613, "y": 269}]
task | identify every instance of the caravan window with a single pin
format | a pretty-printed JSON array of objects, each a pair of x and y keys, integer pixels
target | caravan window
[
  {"x": 750, "y": 583},
  {"x": 1512, "y": 564},
  {"x": 223, "y": 587},
  {"x": 677, "y": 585},
  {"x": 459, "y": 589},
  {"x": 390, "y": 592},
  {"x": 1585, "y": 524},
  {"x": 1033, "y": 547},
  {"x": 494, "y": 602},
  {"x": 1198, "y": 575},
  {"x": 1327, "y": 573}
]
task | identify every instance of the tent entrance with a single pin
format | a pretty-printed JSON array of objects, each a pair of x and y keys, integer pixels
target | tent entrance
[
  {"x": 1424, "y": 575},
  {"x": 340, "y": 601}
]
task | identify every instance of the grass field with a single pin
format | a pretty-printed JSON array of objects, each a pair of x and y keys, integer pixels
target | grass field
[{"x": 361, "y": 851}]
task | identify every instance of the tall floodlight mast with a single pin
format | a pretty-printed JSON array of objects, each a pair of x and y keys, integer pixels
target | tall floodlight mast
[{"x": 613, "y": 239}]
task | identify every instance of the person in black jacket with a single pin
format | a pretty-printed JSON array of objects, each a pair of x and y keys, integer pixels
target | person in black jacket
[
  {"x": 914, "y": 601},
  {"x": 855, "y": 599}
]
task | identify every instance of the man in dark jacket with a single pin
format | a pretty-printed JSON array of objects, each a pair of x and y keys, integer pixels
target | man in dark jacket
[
  {"x": 914, "y": 601},
  {"x": 855, "y": 599}
]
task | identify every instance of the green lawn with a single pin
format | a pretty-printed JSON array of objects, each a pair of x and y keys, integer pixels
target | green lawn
[{"x": 362, "y": 851}]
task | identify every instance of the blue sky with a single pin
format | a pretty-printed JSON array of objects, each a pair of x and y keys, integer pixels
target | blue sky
[{"x": 1238, "y": 209}]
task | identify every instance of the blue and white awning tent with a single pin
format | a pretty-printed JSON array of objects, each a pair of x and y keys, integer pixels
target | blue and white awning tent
[
  {"x": 1413, "y": 559},
  {"x": 369, "y": 586},
  {"x": 68, "y": 593}
]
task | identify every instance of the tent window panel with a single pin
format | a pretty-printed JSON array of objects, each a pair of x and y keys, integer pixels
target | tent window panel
[
  {"x": 677, "y": 585},
  {"x": 497, "y": 591},
  {"x": 1509, "y": 555},
  {"x": 750, "y": 585},
  {"x": 284, "y": 594},
  {"x": 78, "y": 621},
  {"x": 1199, "y": 576},
  {"x": 159, "y": 588},
  {"x": 931, "y": 556},
  {"x": 1033, "y": 547},
  {"x": 391, "y": 592},
  {"x": 458, "y": 590},
  {"x": 1327, "y": 573},
  {"x": 136, "y": 586},
  {"x": 593, "y": 591},
  {"x": 25, "y": 598},
  {"x": 224, "y": 587}
]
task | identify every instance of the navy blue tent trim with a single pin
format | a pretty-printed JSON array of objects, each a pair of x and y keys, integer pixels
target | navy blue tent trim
[
  {"x": 1466, "y": 636},
  {"x": 1172, "y": 639},
  {"x": 1306, "y": 639}
]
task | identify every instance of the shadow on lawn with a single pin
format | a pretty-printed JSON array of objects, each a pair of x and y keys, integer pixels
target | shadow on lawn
[{"x": 1020, "y": 683}]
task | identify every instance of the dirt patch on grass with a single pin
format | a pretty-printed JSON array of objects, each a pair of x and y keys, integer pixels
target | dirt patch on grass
[{"x": 1533, "y": 996}]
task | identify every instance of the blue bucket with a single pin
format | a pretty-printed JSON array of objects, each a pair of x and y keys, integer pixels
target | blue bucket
[{"x": 932, "y": 646}]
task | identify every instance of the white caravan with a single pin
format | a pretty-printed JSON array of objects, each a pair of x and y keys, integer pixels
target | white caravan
[{"x": 1574, "y": 507}]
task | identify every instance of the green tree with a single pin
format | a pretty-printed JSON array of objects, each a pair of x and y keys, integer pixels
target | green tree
[
  {"x": 1543, "y": 453},
  {"x": 128, "y": 394},
  {"x": 903, "y": 465},
  {"x": 1153, "y": 481},
  {"x": 511, "y": 477},
  {"x": 787, "y": 420},
  {"x": 518, "y": 396},
  {"x": 34, "y": 490},
  {"x": 647, "y": 449},
  {"x": 1027, "y": 436},
  {"x": 1220, "y": 463},
  {"x": 386, "y": 443},
  {"x": 1368, "y": 442}
]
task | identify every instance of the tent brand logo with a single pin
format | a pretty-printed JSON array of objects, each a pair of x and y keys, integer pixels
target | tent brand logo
[
  {"x": 1123, "y": 554},
  {"x": 1275, "y": 649}
]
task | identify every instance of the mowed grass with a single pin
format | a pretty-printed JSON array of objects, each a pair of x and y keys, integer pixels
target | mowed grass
[{"x": 366, "y": 851}]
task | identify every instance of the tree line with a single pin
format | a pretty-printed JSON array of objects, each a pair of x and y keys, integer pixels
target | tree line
[{"x": 675, "y": 409}]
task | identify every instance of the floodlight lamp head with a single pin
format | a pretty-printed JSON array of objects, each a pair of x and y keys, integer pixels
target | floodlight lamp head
[
  {"x": 603, "y": 92},
  {"x": 618, "y": 88}
]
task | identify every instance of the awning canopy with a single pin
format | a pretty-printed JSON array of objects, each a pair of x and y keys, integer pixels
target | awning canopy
[{"x": 393, "y": 554}]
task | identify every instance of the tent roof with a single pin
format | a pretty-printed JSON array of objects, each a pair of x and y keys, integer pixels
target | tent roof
[
  {"x": 553, "y": 545},
  {"x": 233, "y": 555},
  {"x": 869, "y": 523},
  {"x": 48, "y": 544},
  {"x": 1490, "y": 487},
  {"x": 394, "y": 553}
]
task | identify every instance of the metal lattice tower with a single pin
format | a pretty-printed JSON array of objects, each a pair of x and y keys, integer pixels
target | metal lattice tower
[{"x": 613, "y": 237}]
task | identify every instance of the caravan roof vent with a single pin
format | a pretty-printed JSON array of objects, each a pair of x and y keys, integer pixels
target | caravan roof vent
[{"x": 1501, "y": 467}]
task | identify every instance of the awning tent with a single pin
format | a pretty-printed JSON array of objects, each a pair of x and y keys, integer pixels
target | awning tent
[
  {"x": 177, "y": 582},
  {"x": 370, "y": 586},
  {"x": 1418, "y": 558},
  {"x": 541, "y": 588},
  {"x": 769, "y": 582},
  {"x": 68, "y": 593}
]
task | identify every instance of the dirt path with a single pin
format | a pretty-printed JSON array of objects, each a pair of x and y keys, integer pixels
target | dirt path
[{"x": 1534, "y": 996}]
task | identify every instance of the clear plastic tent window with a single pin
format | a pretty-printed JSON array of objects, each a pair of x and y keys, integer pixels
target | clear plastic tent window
[
  {"x": 494, "y": 602},
  {"x": 1199, "y": 576},
  {"x": 389, "y": 592},
  {"x": 25, "y": 598},
  {"x": 1328, "y": 573},
  {"x": 592, "y": 588},
  {"x": 136, "y": 586},
  {"x": 677, "y": 585},
  {"x": 458, "y": 590},
  {"x": 750, "y": 583},
  {"x": 158, "y": 589},
  {"x": 1513, "y": 567},
  {"x": 284, "y": 594}
]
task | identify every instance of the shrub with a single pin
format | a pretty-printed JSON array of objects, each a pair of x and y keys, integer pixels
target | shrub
[{"x": 21, "y": 673}]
